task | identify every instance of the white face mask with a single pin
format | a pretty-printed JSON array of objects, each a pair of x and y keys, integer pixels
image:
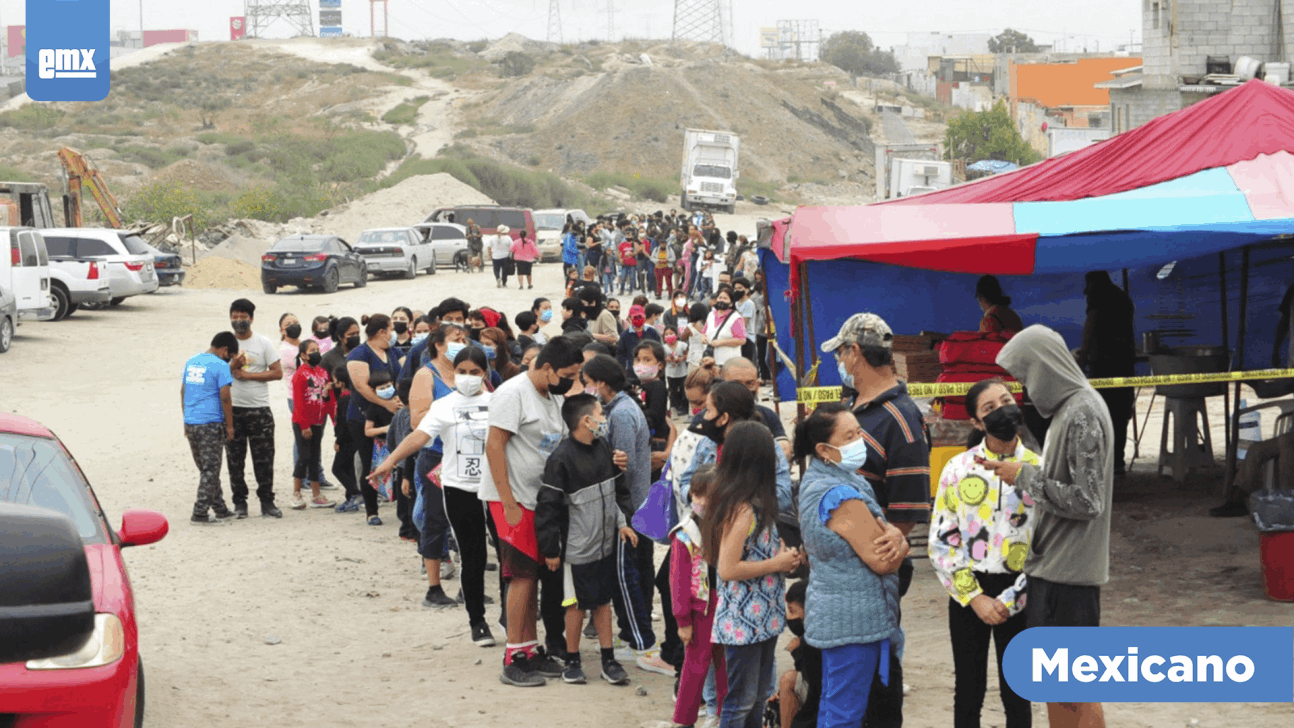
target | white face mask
[{"x": 469, "y": 385}]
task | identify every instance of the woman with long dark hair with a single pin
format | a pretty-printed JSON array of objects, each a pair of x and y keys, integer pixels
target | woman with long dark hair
[
  {"x": 980, "y": 533},
  {"x": 373, "y": 355},
  {"x": 996, "y": 306}
]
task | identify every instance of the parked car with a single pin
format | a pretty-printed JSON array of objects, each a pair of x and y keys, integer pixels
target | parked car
[
  {"x": 448, "y": 242},
  {"x": 75, "y": 281},
  {"x": 101, "y": 684},
  {"x": 549, "y": 224},
  {"x": 25, "y": 272},
  {"x": 8, "y": 318},
  {"x": 168, "y": 266},
  {"x": 126, "y": 255},
  {"x": 312, "y": 261},
  {"x": 396, "y": 250},
  {"x": 488, "y": 218}
]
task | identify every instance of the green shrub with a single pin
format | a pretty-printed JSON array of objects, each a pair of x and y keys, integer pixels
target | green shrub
[
  {"x": 504, "y": 183},
  {"x": 161, "y": 201},
  {"x": 32, "y": 117},
  {"x": 150, "y": 156},
  {"x": 643, "y": 188},
  {"x": 406, "y": 112},
  {"x": 13, "y": 174},
  {"x": 516, "y": 64},
  {"x": 239, "y": 147}
]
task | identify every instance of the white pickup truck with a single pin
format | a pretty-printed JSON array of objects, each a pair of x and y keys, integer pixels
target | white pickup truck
[{"x": 75, "y": 282}]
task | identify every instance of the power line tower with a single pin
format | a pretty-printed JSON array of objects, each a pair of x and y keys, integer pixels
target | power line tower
[
  {"x": 611, "y": 20},
  {"x": 799, "y": 39},
  {"x": 698, "y": 20},
  {"x": 554, "y": 22},
  {"x": 261, "y": 14}
]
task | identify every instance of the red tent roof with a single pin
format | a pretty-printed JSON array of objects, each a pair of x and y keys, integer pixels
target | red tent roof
[{"x": 1234, "y": 126}]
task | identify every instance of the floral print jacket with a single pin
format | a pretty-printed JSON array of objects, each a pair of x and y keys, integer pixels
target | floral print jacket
[{"x": 981, "y": 525}]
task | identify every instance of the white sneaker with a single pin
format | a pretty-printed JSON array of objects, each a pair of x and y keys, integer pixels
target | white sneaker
[
  {"x": 298, "y": 503},
  {"x": 447, "y": 570},
  {"x": 650, "y": 660},
  {"x": 624, "y": 653}
]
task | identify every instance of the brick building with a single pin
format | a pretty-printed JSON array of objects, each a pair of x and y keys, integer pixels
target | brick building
[{"x": 1179, "y": 37}]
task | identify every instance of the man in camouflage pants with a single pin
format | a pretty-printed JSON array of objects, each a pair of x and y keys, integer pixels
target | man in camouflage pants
[{"x": 207, "y": 404}]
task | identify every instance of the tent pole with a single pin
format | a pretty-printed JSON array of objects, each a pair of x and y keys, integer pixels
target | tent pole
[
  {"x": 1226, "y": 341},
  {"x": 811, "y": 336},
  {"x": 798, "y": 315},
  {"x": 1232, "y": 444}
]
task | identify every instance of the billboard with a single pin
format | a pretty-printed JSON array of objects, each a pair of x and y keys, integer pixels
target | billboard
[
  {"x": 237, "y": 27},
  {"x": 330, "y": 18},
  {"x": 17, "y": 39},
  {"x": 330, "y": 3},
  {"x": 154, "y": 37},
  {"x": 768, "y": 37},
  {"x": 327, "y": 32}
]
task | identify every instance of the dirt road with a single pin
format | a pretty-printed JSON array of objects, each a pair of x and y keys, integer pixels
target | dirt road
[{"x": 341, "y": 600}]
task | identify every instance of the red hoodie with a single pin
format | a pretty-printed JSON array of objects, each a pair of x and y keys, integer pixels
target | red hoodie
[{"x": 310, "y": 403}]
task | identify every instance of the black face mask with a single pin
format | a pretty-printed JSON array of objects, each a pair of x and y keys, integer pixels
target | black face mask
[
  {"x": 475, "y": 334},
  {"x": 400, "y": 327},
  {"x": 352, "y": 342},
  {"x": 722, "y": 305},
  {"x": 708, "y": 428},
  {"x": 796, "y": 626},
  {"x": 241, "y": 326},
  {"x": 562, "y": 387},
  {"x": 321, "y": 333},
  {"x": 615, "y": 312},
  {"x": 293, "y": 331},
  {"x": 1004, "y": 423},
  {"x": 738, "y": 295},
  {"x": 314, "y": 358}
]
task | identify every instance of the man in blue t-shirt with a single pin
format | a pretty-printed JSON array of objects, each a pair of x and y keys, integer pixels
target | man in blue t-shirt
[{"x": 207, "y": 400}]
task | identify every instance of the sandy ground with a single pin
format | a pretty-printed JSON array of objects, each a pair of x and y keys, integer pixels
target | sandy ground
[{"x": 341, "y": 600}]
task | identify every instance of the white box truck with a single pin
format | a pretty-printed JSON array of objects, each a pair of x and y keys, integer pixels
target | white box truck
[{"x": 709, "y": 170}]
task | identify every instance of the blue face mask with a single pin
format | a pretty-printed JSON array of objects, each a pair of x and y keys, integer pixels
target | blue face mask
[
  {"x": 386, "y": 392},
  {"x": 853, "y": 455},
  {"x": 452, "y": 349},
  {"x": 846, "y": 378},
  {"x": 546, "y": 316},
  {"x": 601, "y": 429},
  {"x": 419, "y": 338}
]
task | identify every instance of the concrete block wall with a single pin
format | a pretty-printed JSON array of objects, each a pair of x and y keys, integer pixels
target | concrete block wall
[
  {"x": 1137, "y": 105},
  {"x": 1192, "y": 30}
]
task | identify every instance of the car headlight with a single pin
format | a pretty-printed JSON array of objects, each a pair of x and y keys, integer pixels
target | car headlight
[{"x": 106, "y": 646}]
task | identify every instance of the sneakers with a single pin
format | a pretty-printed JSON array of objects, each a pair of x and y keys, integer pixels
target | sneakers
[
  {"x": 298, "y": 503},
  {"x": 224, "y": 514},
  {"x": 519, "y": 673},
  {"x": 240, "y": 509},
  {"x": 374, "y": 521},
  {"x": 623, "y": 650},
  {"x": 447, "y": 570},
  {"x": 613, "y": 673},
  {"x": 325, "y": 485},
  {"x": 574, "y": 673},
  {"x": 350, "y": 505},
  {"x": 547, "y": 665},
  {"x": 269, "y": 510},
  {"x": 650, "y": 660},
  {"x": 322, "y": 501},
  {"x": 437, "y": 598},
  {"x": 206, "y": 520},
  {"x": 481, "y": 636}
]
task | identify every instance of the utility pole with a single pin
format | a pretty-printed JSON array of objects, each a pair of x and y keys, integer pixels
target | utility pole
[
  {"x": 554, "y": 22},
  {"x": 698, "y": 20},
  {"x": 611, "y": 21}
]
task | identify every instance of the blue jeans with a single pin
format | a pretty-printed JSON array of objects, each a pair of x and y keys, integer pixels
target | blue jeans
[
  {"x": 847, "y": 674},
  {"x": 627, "y": 273},
  {"x": 751, "y": 674}
]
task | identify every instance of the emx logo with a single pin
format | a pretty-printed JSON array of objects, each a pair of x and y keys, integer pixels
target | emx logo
[
  {"x": 68, "y": 50},
  {"x": 67, "y": 63}
]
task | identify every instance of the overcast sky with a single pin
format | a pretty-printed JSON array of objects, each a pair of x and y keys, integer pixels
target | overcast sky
[{"x": 1071, "y": 25}]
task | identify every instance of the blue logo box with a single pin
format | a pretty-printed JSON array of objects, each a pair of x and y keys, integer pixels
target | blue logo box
[{"x": 68, "y": 50}]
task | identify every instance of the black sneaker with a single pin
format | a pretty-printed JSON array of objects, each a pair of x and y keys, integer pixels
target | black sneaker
[
  {"x": 481, "y": 636},
  {"x": 574, "y": 673},
  {"x": 437, "y": 598},
  {"x": 491, "y": 566},
  {"x": 547, "y": 665},
  {"x": 613, "y": 673},
  {"x": 1230, "y": 509},
  {"x": 205, "y": 520},
  {"x": 240, "y": 509},
  {"x": 519, "y": 674},
  {"x": 224, "y": 514},
  {"x": 269, "y": 510}
]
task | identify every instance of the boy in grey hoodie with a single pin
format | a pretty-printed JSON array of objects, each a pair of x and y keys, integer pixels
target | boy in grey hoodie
[{"x": 1069, "y": 558}]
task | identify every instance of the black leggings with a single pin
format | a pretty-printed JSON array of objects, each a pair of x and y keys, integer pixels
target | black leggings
[
  {"x": 308, "y": 453},
  {"x": 343, "y": 462},
  {"x": 970, "y": 637},
  {"x": 467, "y": 520},
  {"x": 364, "y": 448}
]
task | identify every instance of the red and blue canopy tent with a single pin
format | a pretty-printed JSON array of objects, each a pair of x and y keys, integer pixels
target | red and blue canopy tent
[{"x": 1209, "y": 187}]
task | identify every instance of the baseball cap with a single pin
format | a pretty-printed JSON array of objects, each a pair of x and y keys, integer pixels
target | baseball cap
[
  {"x": 636, "y": 311},
  {"x": 864, "y": 329}
]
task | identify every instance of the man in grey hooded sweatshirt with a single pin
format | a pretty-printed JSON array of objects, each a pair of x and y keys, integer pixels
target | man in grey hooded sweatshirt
[{"x": 1069, "y": 558}]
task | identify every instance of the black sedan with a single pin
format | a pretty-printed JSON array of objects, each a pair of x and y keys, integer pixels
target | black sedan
[
  {"x": 312, "y": 261},
  {"x": 169, "y": 268}
]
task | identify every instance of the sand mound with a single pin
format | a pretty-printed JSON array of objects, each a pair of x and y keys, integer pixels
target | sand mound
[
  {"x": 407, "y": 203},
  {"x": 515, "y": 42},
  {"x": 217, "y": 272},
  {"x": 240, "y": 248}
]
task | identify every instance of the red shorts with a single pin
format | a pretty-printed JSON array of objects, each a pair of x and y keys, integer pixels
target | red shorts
[{"x": 521, "y": 538}]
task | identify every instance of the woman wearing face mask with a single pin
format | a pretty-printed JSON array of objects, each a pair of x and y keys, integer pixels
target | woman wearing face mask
[
  {"x": 501, "y": 363},
  {"x": 979, "y": 537},
  {"x": 852, "y": 604},
  {"x": 434, "y": 381},
  {"x": 421, "y": 330},
  {"x": 459, "y": 421},
  {"x": 725, "y": 330},
  {"x": 289, "y": 349},
  {"x": 373, "y": 355},
  {"x": 401, "y": 324},
  {"x": 542, "y": 308},
  {"x": 344, "y": 334}
]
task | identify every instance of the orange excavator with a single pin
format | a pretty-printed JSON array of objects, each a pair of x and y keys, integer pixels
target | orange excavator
[{"x": 81, "y": 173}]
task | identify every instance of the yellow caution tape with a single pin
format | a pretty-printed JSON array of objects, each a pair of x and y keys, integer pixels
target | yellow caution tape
[{"x": 817, "y": 395}]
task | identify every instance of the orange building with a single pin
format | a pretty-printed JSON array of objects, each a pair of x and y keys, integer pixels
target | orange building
[{"x": 1061, "y": 94}]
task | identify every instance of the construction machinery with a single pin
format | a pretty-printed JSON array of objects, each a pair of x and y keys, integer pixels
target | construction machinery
[{"x": 80, "y": 172}]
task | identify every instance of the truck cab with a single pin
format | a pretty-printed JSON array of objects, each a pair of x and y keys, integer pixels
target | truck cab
[
  {"x": 710, "y": 172},
  {"x": 25, "y": 272}
]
